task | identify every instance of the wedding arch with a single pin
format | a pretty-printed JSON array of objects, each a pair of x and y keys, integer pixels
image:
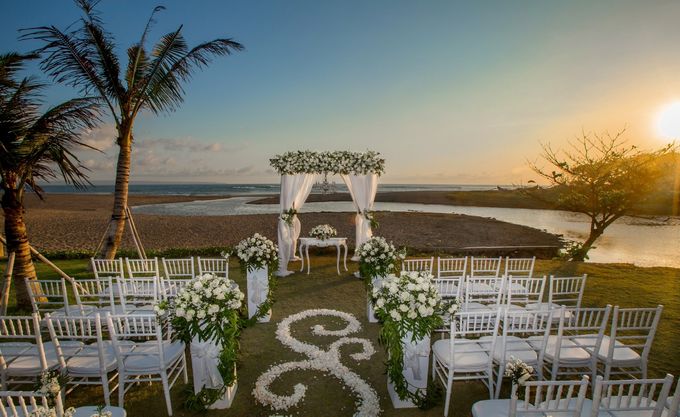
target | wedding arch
[{"x": 299, "y": 170}]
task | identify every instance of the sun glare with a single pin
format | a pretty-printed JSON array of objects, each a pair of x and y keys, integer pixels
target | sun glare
[{"x": 668, "y": 121}]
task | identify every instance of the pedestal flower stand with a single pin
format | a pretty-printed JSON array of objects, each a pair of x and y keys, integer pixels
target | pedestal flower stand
[
  {"x": 416, "y": 362},
  {"x": 204, "y": 361},
  {"x": 258, "y": 288}
]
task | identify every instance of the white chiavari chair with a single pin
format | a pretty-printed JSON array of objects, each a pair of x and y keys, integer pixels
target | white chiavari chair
[
  {"x": 630, "y": 397},
  {"x": 483, "y": 293},
  {"x": 485, "y": 267},
  {"x": 154, "y": 358},
  {"x": 519, "y": 267},
  {"x": 27, "y": 404},
  {"x": 100, "y": 294},
  {"x": 51, "y": 296},
  {"x": 451, "y": 267},
  {"x": 142, "y": 268},
  {"x": 625, "y": 351},
  {"x": 96, "y": 363},
  {"x": 418, "y": 264},
  {"x": 178, "y": 273},
  {"x": 519, "y": 330},
  {"x": 542, "y": 398},
  {"x": 138, "y": 295},
  {"x": 568, "y": 352},
  {"x": 523, "y": 291},
  {"x": 23, "y": 354},
  {"x": 216, "y": 266},
  {"x": 462, "y": 357}
]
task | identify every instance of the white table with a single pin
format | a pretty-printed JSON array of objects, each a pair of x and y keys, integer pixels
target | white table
[{"x": 306, "y": 242}]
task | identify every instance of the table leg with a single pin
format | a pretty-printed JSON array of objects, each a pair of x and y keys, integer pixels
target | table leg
[
  {"x": 337, "y": 263},
  {"x": 302, "y": 262},
  {"x": 345, "y": 260},
  {"x": 309, "y": 261}
]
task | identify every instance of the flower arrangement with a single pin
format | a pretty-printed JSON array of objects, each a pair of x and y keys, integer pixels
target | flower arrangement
[
  {"x": 208, "y": 308},
  {"x": 323, "y": 232},
  {"x": 41, "y": 411},
  {"x": 339, "y": 162},
  {"x": 100, "y": 412},
  {"x": 518, "y": 371},
  {"x": 256, "y": 252},
  {"x": 288, "y": 216},
  {"x": 407, "y": 303},
  {"x": 370, "y": 217},
  {"x": 378, "y": 257},
  {"x": 49, "y": 384}
]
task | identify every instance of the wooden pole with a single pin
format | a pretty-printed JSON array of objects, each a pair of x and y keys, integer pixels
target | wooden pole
[
  {"x": 7, "y": 284},
  {"x": 135, "y": 234},
  {"x": 49, "y": 263}
]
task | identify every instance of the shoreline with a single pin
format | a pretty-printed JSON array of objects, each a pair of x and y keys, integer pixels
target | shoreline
[{"x": 65, "y": 222}]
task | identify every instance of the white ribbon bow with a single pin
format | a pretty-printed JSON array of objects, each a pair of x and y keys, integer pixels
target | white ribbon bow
[
  {"x": 412, "y": 354},
  {"x": 206, "y": 354}
]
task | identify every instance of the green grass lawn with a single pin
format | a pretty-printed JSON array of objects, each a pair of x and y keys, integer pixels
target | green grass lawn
[{"x": 624, "y": 285}]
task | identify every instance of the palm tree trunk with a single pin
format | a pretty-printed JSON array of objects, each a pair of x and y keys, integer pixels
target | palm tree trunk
[
  {"x": 17, "y": 242},
  {"x": 116, "y": 228}
]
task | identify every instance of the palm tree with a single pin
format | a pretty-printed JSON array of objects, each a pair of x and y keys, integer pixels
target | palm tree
[
  {"x": 34, "y": 147},
  {"x": 85, "y": 58}
]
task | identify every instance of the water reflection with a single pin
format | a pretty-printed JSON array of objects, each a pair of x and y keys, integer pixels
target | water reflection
[{"x": 641, "y": 241}]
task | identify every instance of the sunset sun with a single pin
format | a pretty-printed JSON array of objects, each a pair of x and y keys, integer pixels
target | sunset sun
[{"x": 668, "y": 121}]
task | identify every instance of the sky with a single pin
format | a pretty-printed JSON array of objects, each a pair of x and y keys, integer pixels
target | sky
[{"x": 449, "y": 92}]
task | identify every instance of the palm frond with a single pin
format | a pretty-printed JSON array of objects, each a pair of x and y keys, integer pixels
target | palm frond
[
  {"x": 136, "y": 59},
  {"x": 164, "y": 91}
]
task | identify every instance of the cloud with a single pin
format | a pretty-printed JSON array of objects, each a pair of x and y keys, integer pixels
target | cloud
[
  {"x": 187, "y": 144},
  {"x": 102, "y": 138}
]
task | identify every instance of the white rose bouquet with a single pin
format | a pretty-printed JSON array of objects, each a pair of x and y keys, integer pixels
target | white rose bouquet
[
  {"x": 409, "y": 302},
  {"x": 518, "y": 371},
  {"x": 208, "y": 308},
  {"x": 256, "y": 252},
  {"x": 323, "y": 232},
  {"x": 378, "y": 257}
]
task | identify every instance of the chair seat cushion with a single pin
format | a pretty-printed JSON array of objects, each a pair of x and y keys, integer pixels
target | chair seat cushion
[
  {"x": 86, "y": 362},
  {"x": 467, "y": 355},
  {"x": 495, "y": 408},
  {"x": 622, "y": 354},
  {"x": 570, "y": 352},
  {"x": 549, "y": 306},
  {"x": 514, "y": 346},
  {"x": 571, "y": 405},
  {"x": 145, "y": 356},
  {"x": 74, "y": 310},
  {"x": 89, "y": 411},
  {"x": 28, "y": 364}
]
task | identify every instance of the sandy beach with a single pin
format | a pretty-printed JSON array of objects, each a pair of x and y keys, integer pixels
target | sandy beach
[{"x": 76, "y": 221}]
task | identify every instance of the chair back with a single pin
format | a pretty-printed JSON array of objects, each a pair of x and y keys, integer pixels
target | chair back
[
  {"x": 634, "y": 328},
  {"x": 418, "y": 264},
  {"x": 451, "y": 267},
  {"x": 525, "y": 324},
  {"x": 47, "y": 294},
  {"x": 140, "y": 329},
  {"x": 543, "y": 398},
  {"x": 484, "y": 290},
  {"x": 567, "y": 291},
  {"x": 142, "y": 268},
  {"x": 519, "y": 267},
  {"x": 673, "y": 403},
  {"x": 138, "y": 291},
  {"x": 468, "y": 327},
  {"x": 96, "y": 292},
  {"x": 216, "y": 266},
  {"x": 525, "y": 290},
  {"x": 108, "y": 268},
  {"x": 179, "y": 268},
  {"x": 21, "y": 339},
  {"x": 84, "y": 329},
  {"x": 24, "y": 403},
  {"x": 640, "y": 396},
  {"x": 485, "y": 267},
  {"x": 449, "y": 287}
]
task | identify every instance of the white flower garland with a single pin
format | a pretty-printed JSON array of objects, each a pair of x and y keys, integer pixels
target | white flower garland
[
  {"x": 320, "y": 360},
  {"x": 339, "y": 162}
]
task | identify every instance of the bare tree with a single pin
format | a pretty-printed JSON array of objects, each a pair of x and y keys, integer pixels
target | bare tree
[{"x": 602, "y": 177}]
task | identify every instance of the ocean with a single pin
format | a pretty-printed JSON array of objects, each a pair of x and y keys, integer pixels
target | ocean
[{"x": 253, "y": 189}]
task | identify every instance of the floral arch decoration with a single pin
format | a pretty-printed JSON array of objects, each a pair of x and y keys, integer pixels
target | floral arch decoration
[{"x": 298, "y": 170}]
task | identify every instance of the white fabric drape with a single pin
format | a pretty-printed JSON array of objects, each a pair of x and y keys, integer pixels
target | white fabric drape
[
  {"x": 362, "y": 188},
  {"x": 294, "y": 192}
]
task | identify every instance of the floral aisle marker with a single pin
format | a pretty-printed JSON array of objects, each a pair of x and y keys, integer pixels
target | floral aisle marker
[
  {"x": 410, "y": 308},
  {"x": 377, "y": 258},
  {"x": 321, "y": 360},
  {"x": 205, "y": 313},
  {"x": 259, "y": 258},
  {"x": 323, "y": 232}
]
